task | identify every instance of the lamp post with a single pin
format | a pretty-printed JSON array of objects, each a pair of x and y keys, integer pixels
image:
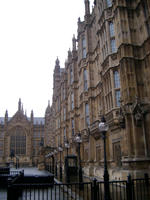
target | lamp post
[
  {"x": 78, "y": 139},
  {"x": 55, "y": 152},
  {"x": 67, "y": 146},
  {"x": 103, "y": 128},
  {"x": 17, "y": 162},
  {"x": 60, "y": 149},
  {"x": 12, "y": 155},
  {"x": 52, "y": 162}
]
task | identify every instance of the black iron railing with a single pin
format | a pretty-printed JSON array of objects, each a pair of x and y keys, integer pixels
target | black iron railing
[{"x": 130, "y": 189}]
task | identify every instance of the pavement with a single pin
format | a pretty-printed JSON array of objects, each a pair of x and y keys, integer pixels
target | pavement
[{"x": 28, "y": 171}]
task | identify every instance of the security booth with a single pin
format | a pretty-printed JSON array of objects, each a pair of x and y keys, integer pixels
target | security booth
[{"x": 71, "y": 168}]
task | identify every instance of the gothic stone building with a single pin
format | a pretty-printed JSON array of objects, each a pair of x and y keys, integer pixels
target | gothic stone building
[
  {"x": 107, "y": 74},
  {"x": 21, "y": 136}
]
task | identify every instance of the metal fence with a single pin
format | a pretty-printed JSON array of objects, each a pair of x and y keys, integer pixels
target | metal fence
[{"x": 130, "y": 189}]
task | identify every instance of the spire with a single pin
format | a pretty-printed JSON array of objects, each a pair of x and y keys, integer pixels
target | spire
[
  {"x": 6, "y": 117},
  {"x": 48, "y": 102},
  {"x": 87, "y": 7},
  {"x": 31, "y": 116},
  {"x": 57, "y": 63},
  {"x": 74, "y": 43},
  {"x": 19, "y": 105},
  {"x": 48, "y": 109},
  {"x": 79, "y": 20}
]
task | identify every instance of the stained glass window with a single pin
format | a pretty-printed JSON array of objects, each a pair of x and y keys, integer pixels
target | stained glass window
[{"x": 18, "y": 142}]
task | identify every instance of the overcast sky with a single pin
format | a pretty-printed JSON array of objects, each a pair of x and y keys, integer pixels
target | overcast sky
[{"x": 32, "y": 34}]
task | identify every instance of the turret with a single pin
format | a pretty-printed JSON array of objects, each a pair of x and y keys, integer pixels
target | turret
[
  {"x": 19, "y": 105},
  {"x": 57, "y": 63},
  {"x": 6, "y": 117},
  {"x": 74, "y": 43},
  {"x": 47, "y": 113},
  {"x": 87, "y": 7},
  {"x": 69, "y": 55},
  {"x": 31, "y": 116},
  {"x": 56, "y": 77},
  {"x": 87, "y": 11}
]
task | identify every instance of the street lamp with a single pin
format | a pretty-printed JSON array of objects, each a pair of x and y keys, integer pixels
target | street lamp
[
  {"x": 78, "y": 139},
  {"x": 12, "y": 155},
  {"x": 103, "y": 128},
  {"x": 52, "y": 162},
  {"x": 67, "y": 146},
  {"x": 55, "y": 152},
  {"x": 60, "y": 149}
]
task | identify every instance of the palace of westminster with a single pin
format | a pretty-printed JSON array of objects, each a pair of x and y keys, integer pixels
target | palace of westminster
[{"x": 106, "y": 73}]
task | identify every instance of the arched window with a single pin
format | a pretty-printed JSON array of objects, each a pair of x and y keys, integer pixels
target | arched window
[
  {"x": 71, "y": 75},
  {"x": 87, "y": 116},
  {"x": 72, "y": 100},
  {"x": 18, "y": 141},
  {"x": 116, "y": 79},
  {"x": 85, "y": 80},
  {"x": 83, "y": 47}
]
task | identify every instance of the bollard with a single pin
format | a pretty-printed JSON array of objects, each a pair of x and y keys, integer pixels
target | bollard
[
  {"x": 129, "y": 188},
  {"x": 9, "y": 191},
  {"x": 94, "y": 189}
]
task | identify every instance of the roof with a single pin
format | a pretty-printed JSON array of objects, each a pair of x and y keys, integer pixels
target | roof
[{"x": 36, "y": 120}]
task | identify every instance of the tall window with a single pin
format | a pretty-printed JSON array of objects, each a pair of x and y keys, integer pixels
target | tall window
[
  {"x": 1, "y": 148},
  {"x": 117, "y": 96},
  {"x": 109, "y": 3},
  {"x": 111, "y": 29},
  {"x": 112, "y": 37},
  {"x": 113, "y": 45},
  {"x": 117, "y": 87},
  {"x": 64, "y": 133},
  {"x": 85, "y": 80},
  {"x": 72, "y": 101},
  {"x": 18, "y": 142},
  {"x": 116, "y": 79},
  {"x": 71, "y": 75},
  {"x": 35, "y": 146},
  {"x": 87, "y": 117},
  {"x": 83, "y": 47},
  {"x": 72, "y": 126}
]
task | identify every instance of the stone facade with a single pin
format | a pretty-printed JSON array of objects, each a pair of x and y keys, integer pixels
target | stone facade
[
  {"x": 21, "y": 138},
  {"x": 107, "y": 74}
]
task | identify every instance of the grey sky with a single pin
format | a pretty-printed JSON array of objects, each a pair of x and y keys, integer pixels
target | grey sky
[{"x": 33, "y": 33}]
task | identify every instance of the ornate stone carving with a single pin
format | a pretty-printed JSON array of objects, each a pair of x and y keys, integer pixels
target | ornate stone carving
[
  {"x": 85, "y": 134},
  {"x": 138, "y": 111},
  {"x": 121, "y": 115}
]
